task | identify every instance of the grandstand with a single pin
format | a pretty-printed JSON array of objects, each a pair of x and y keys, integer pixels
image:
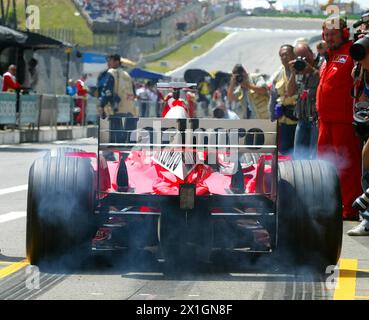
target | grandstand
[{"x": 130, "y": 12}]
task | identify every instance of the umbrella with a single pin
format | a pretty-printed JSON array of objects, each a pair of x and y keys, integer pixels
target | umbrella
[
  {"x": 221, "y": 78},
  {"x": 195, "y": 75},
  {"x": 144, "y": 74}
]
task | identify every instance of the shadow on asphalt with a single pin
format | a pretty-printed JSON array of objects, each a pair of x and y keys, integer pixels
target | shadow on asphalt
[
  {"x": 23, "y": 150},
  {"x": 145, "y": 266},
  {"x": 354, "y": 274},
  {"x": 10, "y": 259}
]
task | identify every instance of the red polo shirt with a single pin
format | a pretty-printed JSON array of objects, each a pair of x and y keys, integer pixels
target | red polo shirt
[
  {"x": 334, "y": 101},
  {"x": 10, "y": 83}
]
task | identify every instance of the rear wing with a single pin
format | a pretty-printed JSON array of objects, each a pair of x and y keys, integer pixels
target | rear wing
[
  {"x": 179, "y": 145},
  {"x": 176, "y": 86},
  {"x": 246, "y": 136}
]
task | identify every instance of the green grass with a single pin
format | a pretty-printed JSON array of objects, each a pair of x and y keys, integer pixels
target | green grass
[
  {"x": 58, "y": 14},
  {"x": 186, "y": 53}
]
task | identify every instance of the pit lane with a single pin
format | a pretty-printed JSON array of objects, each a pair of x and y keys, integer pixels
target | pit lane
[{"x": 141, "y": 277}]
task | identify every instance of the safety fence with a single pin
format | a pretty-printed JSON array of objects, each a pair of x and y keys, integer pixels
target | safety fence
[
  {"x": 35, "y": 111},
  {"x": 17, "y": 110}
]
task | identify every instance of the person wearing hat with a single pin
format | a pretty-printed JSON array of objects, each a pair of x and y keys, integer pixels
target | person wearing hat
[{"x": 116, "y": 89}]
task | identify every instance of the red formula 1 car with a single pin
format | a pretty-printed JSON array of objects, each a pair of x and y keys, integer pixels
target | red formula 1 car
[{"x": 187, "y": 187}]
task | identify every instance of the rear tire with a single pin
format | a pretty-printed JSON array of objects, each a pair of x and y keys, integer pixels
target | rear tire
[
  {"x": 60, "y": 208},
  {"x": 309, "y": 214}
]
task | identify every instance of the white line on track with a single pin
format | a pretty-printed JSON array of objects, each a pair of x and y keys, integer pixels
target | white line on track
[
  {"x": 11, "y": 216},
  {"x": 13, "y": 189}
]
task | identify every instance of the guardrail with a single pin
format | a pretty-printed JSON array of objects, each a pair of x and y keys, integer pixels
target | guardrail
[
  {"x": 17, "y": 110},
  {"x": 8, "y": 108},
  {"x": 29, "y": 109},
  {"x": 47, "y": 110}
]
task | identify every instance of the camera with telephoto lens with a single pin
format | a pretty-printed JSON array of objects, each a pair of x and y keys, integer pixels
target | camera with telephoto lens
[
  {"x": 360, "y": 48},
  {"x": 361, "y": 120},
  {"x": 300, "y": 64},
  {"x": 358, "y": 35},
  {"x": 239, "y": 72},
  {"x": 363, "y": 20},
  {"x": 362, "y": 203}
]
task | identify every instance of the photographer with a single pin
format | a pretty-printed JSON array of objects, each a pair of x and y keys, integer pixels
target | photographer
[
  {"x": 282, "y": 107},
  {"x": 360, "y": 52},
  {"x": 322, "y": 48},
  {"x": 251, "y": 90},
  {"x": 304, "y": 81},
  {"x": 363, "y": 228}
]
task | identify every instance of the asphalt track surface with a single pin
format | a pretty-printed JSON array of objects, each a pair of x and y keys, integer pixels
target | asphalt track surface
[
  {"x": 253, "y": 42},
  {"x": 141, "y": 277}
]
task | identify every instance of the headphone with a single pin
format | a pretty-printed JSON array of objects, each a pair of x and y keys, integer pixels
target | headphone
[{"x": 345, "y": 31}]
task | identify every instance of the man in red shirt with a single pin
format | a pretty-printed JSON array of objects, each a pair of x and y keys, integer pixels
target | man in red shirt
[
  {"x": 82, "y": 93},
  {"x": 10, "y": 83},
  {"x": 337, "y": 141}
]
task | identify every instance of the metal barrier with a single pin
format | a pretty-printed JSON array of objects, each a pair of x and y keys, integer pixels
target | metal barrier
[
  {"x": 29, "y": 109},
  {"x": 8, "y": 108},
  {"x": 51, "y": 110},
  {"x": 91, "y": 110},
  {"x": 64, "y": 109},
  {"x": 48, "y": 111}
]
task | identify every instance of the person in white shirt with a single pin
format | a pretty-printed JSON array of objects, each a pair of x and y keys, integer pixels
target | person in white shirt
[
  {"x": 144, "y": 97},
  {"x": 221, "y": 112}
]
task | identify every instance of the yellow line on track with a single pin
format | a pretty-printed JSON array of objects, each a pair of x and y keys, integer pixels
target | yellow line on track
[
  {"x": 7, "y": 271},
  {"x": 346, "y": 286}
]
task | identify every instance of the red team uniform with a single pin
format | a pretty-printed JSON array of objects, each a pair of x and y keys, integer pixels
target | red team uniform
[
  {"x": 81, "y": 103},
  {"x": 337, "y": 139},
  {"x": 10, "y": 83}
]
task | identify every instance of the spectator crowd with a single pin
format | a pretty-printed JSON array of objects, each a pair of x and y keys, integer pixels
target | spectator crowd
[{"x": 132, "y": 12}]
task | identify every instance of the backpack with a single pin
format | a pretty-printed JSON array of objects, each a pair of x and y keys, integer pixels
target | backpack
[{"x": 105, "y": 88}]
